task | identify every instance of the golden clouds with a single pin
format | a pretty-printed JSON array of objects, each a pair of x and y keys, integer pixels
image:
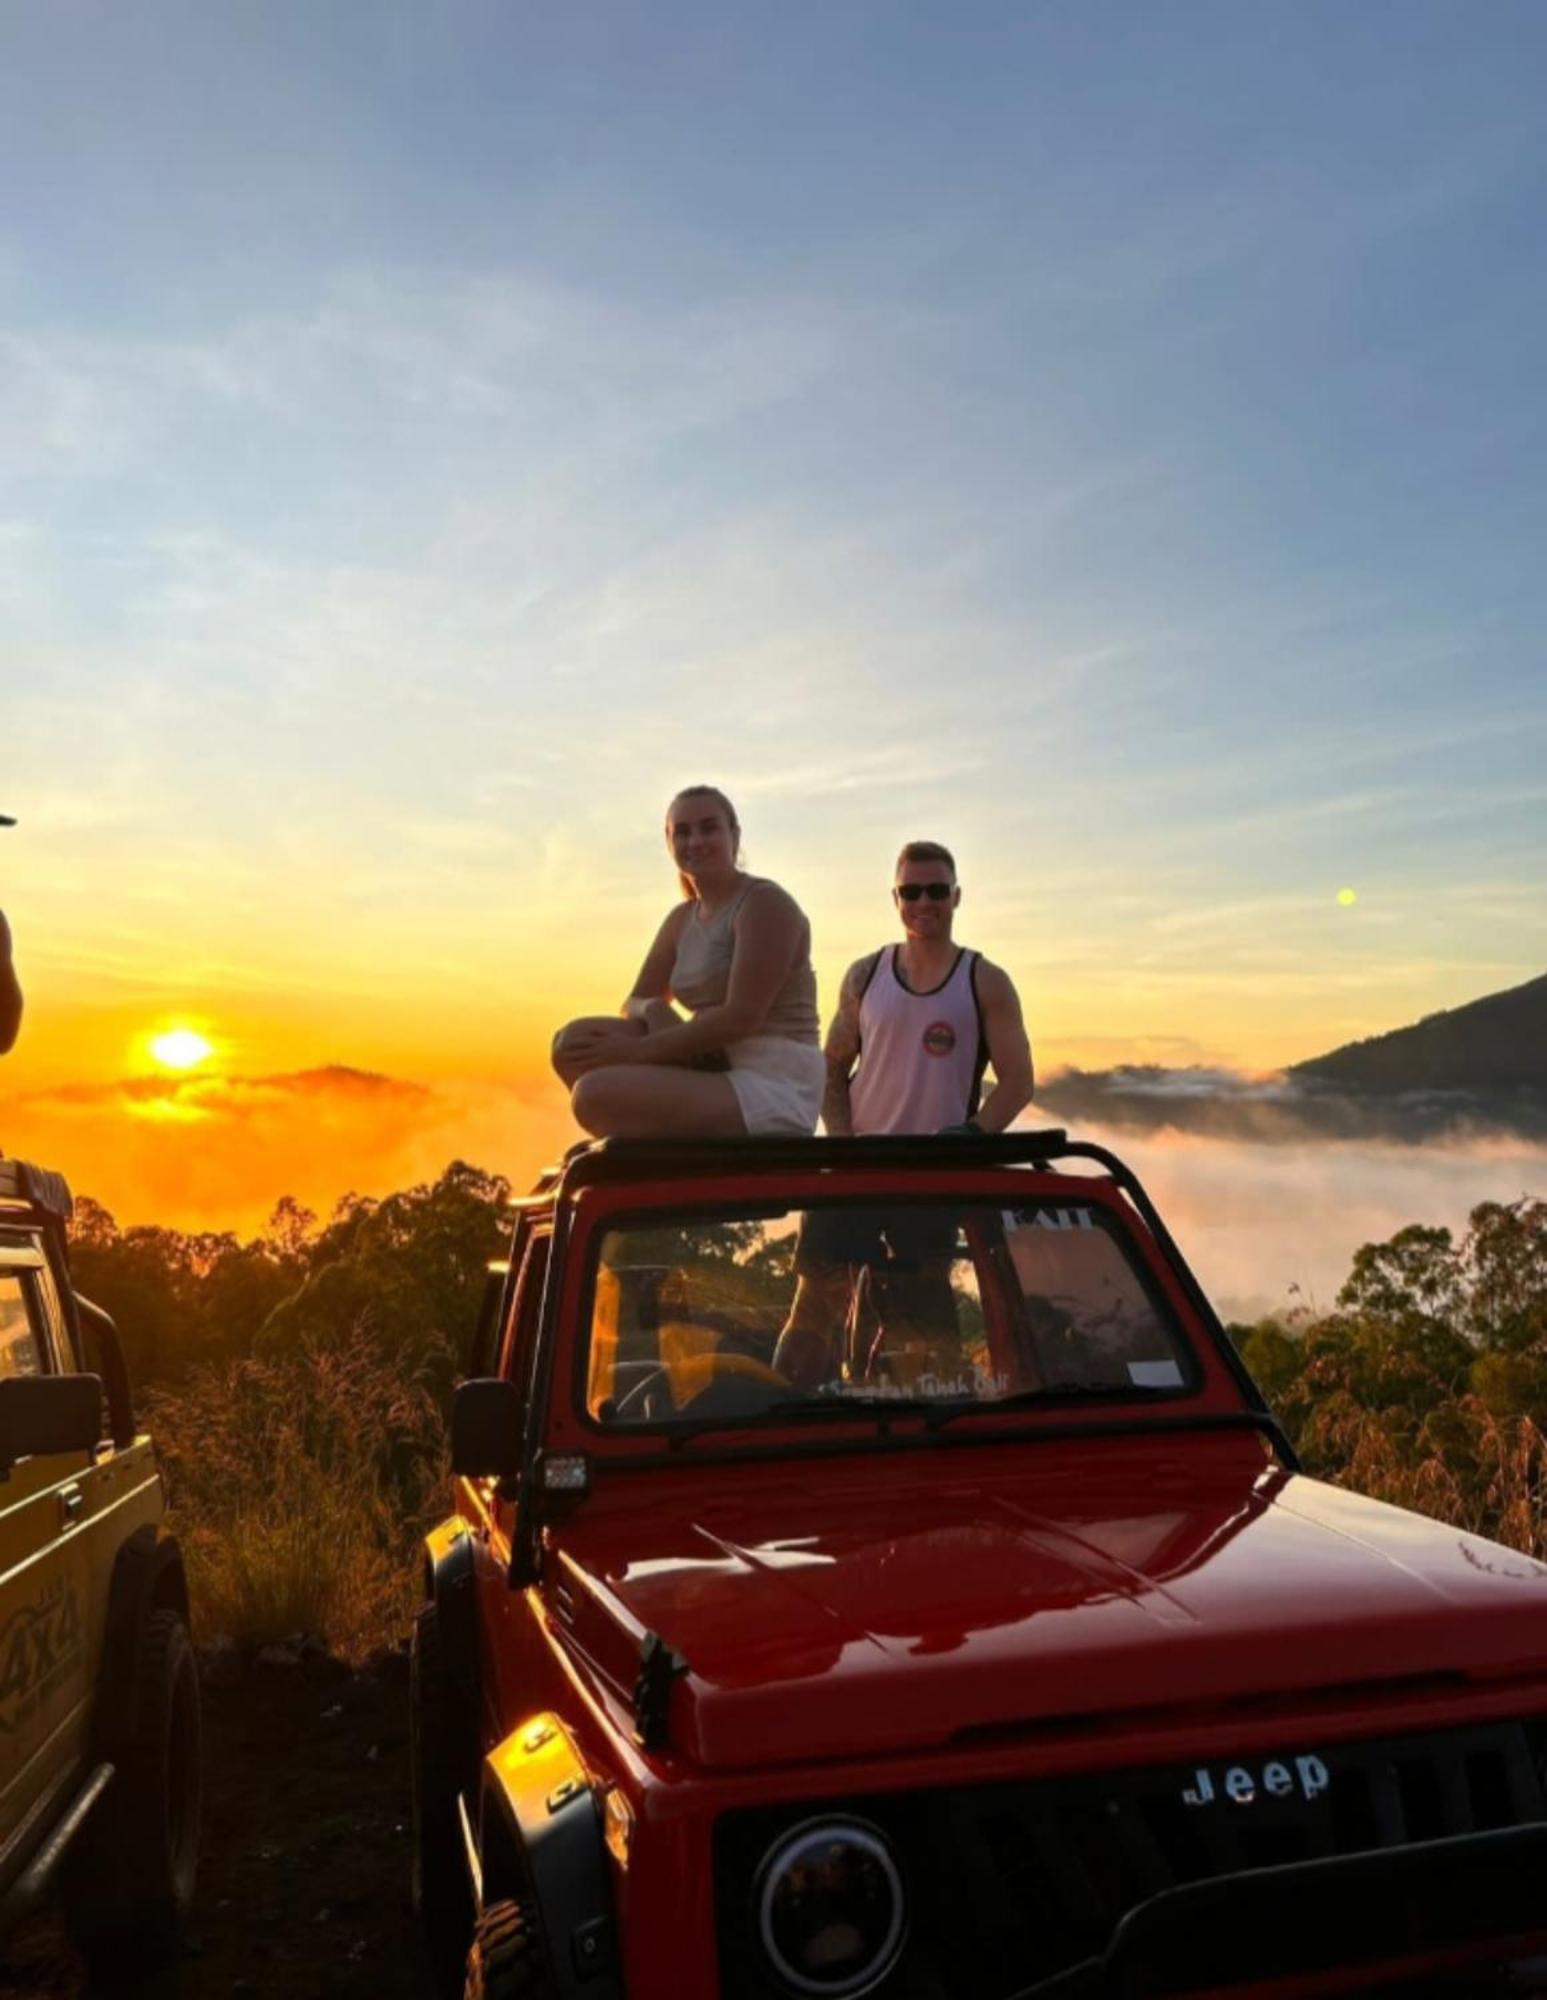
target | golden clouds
[{"x": 197, "y": 1150}]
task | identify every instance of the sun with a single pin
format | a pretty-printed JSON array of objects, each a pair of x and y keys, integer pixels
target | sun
[{"x": 180, "y": 1048}]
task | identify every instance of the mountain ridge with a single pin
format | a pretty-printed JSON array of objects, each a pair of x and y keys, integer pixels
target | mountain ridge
[
  {"x": 1496, "y": 1043},
  {"x": 1474, "y": 1071}
]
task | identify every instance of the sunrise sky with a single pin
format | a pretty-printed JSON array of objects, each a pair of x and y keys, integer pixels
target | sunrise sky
[{"x": 1108, "y": 438}]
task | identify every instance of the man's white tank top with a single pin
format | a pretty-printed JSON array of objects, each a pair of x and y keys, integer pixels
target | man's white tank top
[{"x": 921, "y": 1055}]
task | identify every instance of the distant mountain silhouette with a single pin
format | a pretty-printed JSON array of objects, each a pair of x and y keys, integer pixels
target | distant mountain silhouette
[
  {"x": 1493, "y": 1044},
  {"x": 1471, "y": 1071}
]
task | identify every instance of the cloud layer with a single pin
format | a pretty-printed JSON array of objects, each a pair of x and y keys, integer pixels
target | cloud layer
[
  {"x": 1267, "y": 1226},
  {"x": 1284, "y": 1110},
  {"x": 218, "y": 1151}
]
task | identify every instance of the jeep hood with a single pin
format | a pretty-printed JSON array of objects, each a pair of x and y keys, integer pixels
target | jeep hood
[{"x": 850, "y": 1606}]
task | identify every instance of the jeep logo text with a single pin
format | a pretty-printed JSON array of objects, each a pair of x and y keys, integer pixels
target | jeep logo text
[{"x": 1307, "y": 1778}]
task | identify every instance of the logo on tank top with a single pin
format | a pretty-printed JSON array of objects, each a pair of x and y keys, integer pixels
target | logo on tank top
[{"x": 939, "y": 1038}]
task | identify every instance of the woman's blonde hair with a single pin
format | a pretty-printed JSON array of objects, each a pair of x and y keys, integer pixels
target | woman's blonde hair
[{"x": 706, "y": 792}]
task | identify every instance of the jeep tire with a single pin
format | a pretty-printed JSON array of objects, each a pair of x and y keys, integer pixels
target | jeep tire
[
  {"x": 506, "y": 1959},
  {"x": 443, "y": 1898},
  {"x": 131, "y": 1873}
]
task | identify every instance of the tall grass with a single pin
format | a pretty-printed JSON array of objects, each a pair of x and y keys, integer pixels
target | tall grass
[{"x": 299, "y": 1487}]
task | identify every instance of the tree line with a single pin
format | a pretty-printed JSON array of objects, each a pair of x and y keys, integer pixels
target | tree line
[
  {"x": 1426, "y": 1385},
  {"x": 408, "y": 1271}
]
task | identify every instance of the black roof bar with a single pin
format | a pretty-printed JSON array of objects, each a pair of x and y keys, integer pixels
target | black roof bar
[{"x": 631, "y": 1159}]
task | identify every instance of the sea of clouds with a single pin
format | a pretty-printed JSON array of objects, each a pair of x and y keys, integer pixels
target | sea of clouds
[
  {"x": 1271, "y": 1227},
  {"x": 1270, "y": 1218}
]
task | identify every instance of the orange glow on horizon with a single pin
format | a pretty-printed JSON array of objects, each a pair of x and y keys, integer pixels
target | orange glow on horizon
[{"x": 191, "y": 1076}]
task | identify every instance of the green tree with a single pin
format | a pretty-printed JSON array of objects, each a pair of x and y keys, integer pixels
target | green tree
[
  {"x": 1415, "y": 1276},
  {"x": 1273, "y": 1358},
  {"x": 1428, "y": 1387},
  {"x": 1504, "y": 1259},
  {"x": 409, "y": 1270}
]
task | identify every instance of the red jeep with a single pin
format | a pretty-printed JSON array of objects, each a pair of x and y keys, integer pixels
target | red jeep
[{"x": 990, "y": 1645}]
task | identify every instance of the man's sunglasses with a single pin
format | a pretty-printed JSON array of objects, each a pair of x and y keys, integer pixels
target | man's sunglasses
[{"x": 909, "y": 892}]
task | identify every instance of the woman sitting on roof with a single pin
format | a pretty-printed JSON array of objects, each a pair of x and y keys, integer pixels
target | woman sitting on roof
[{"x": 736, "y": 953}]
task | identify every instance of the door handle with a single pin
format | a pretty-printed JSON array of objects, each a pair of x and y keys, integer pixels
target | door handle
[{"x": 71, "y": 1501}]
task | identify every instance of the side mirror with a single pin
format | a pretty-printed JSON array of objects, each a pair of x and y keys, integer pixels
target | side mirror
[
  {"x": 486, "y": 1429},
  {"x": 45, "y": 1414}
]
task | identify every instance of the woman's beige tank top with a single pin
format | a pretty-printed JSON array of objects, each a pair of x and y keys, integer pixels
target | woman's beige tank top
[{"x": 701, "y": 975}]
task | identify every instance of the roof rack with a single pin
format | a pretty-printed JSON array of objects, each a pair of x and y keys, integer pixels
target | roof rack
[
  {"x": 37, "y": 1187},
  {"x": 633, "y": 1159}
]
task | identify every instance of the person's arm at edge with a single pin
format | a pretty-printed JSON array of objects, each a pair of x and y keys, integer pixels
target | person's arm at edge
[
  {"x": 767, "y": 933},
  {"x": 646, "y": 1008},
  {"x": 10, "y": 992},
  {"x": 840, "y": 1052},
  {"x": 1009, "y": 1050}
]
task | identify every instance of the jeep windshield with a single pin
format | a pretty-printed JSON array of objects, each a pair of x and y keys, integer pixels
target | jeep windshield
[{"x": 940, "y": 1307}]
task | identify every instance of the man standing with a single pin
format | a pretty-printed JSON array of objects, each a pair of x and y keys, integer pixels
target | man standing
[
  {"x": 917, "y": 1026},
  {"x": 923, "y": 1019}
]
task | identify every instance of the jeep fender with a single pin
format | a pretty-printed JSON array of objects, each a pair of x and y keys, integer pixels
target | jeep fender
[
  {"x": 541, "y": 1835},
  {"x": 449, "y": 1584},
  {"x": 147, "y": 1576}
]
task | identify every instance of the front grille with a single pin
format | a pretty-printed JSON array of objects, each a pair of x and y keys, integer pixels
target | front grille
[{"x": 1025, "y": 1879}]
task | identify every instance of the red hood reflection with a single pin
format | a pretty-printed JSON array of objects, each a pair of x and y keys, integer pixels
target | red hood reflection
[{"x": 852, "y": 1605}]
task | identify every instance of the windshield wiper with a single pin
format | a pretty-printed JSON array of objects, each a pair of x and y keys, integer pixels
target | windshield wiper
[
  {"x": 942, "y": 1413},
  {"x": 939, "y": 1410},
  {"x": 859, "y": 1404},
  {"x": 853, "y": 1407},
  {"x": 936, "y": 1411}
]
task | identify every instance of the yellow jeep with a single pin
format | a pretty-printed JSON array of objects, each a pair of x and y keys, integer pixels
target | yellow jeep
[{"x": 99, "y": 1700}]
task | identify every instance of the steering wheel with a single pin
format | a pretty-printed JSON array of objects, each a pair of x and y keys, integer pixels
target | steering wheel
[
  {"x": 640, "y": 1402},
  {"x": 712, "y": 1384}
]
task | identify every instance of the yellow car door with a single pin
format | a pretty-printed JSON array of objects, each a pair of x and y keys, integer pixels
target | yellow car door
[{"x": 44, "y": 1652}]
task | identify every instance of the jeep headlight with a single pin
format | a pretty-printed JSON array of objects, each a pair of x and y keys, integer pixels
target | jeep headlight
[{"x": 830, "y": 1908}]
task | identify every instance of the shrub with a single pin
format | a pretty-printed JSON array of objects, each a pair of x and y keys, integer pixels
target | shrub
[{"x": 299, "y": 1485}]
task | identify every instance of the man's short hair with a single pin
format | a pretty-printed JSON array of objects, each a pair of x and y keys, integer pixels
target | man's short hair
[{"x": 927, "y": 850}]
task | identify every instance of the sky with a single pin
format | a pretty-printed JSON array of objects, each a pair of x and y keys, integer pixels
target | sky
[{"x": 1106, "y": 438}]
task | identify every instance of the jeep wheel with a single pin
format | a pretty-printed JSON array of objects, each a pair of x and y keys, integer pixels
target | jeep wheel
[
  {"x": 506, "y": 1959},
  {"x": 131, "y": 1873},
  {"x": 442, "y": 1896}
]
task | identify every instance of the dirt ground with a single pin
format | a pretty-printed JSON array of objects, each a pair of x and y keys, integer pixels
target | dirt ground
[{"x": 303, "y": 1876}]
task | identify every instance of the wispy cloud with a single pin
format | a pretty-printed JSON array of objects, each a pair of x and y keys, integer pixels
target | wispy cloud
[
  {"x": 1110, "y": 450},
  {"x": 238, "y": 1099},
  {"x": 218, "y": 1151}
]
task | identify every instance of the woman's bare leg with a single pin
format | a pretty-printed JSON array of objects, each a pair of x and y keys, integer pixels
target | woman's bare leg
[
  {"x": 650, "y": 1100},
  {"x": 576, "y": 1037}
]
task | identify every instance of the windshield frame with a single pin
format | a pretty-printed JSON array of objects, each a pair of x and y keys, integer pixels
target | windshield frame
[{"x": 597, "y": 1181}]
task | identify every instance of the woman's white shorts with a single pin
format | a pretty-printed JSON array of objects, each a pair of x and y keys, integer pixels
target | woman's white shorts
[{"x": 778, "y": 1083}]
